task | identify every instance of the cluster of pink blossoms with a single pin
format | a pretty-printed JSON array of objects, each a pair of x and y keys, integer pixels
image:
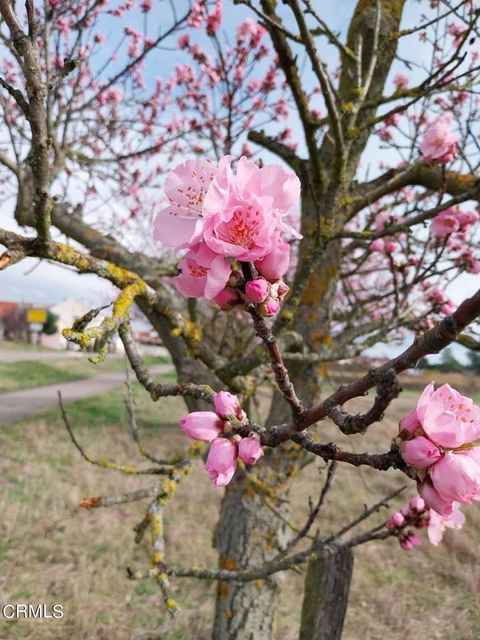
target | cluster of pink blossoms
[
  {"x": 416, "y": 514},
  {"x": 217, "y": 428},
  {"x": 453, "y": 220},
  {"x": 440, "y": 442},
  {"x": 225, "y": 218},
  {"x": 439, "y": 143}
]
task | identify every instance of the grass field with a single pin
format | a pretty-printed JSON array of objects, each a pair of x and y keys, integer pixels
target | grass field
[
  {"x": 33, "y": 373},
  {"x": 51, "y": 551}
]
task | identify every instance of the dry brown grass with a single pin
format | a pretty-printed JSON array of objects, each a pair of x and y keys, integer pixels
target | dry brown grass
[{"x": 53, "y": 552}]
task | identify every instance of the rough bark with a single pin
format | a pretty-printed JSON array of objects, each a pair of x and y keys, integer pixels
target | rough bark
[
  {"x": 325, "y": 600},
  {"x": 247, "y": 535}
]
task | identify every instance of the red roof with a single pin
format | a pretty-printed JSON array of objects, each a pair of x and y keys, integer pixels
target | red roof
[{"x": 6, "y": 308}]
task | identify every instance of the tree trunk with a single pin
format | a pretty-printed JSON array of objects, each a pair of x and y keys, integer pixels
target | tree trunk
[
  {"x": 325, "y": 600},
  {"x": 248, "y": 534}
]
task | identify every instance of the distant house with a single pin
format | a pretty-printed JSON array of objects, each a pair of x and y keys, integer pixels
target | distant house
[{"x": 13, "y": 321}]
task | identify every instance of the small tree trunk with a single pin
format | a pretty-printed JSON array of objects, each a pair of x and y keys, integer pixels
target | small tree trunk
[
  {"x": 327, "y": 586},
  {"x": 247, "y": 535}
]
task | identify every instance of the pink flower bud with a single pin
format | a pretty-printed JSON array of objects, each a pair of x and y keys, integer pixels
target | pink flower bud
[
  {"x": 221, "y": 461},
  {"x": 420, "y": 453},
  {"x": 406, "y": 544},
  {"x": 400, "y": 80},
  {"x": 415, "y": 540},
  {"x": 396, "y": 520},
  {"x": 257, "y": 290},
  {"x": 456, "y": 477},
  {"x": 184, "y": 41},
  {"x": 409, "y": 541},
  {"x": 250, "y": 450},
  {"x": 201, "y": 425},
  {"x": 269, "y": 307},
  {"x": 227, "y": 405},
  {"x": 227, "y": 299},
  {"x": 409, "y": 425},
  {"x": 417, "y": 504},
  {"x": 282, "y": 289}
]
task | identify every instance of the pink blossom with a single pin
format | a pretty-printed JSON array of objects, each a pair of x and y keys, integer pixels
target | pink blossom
[
  {"x": 249, "y": 450},
  {"x": 400, "y": 80},
  {"x": 423, "y": 401},
  {"x": 196, "y": 15},
  {"x": 382, "y": 219},
  {"x": 439, "y": 143},
  {"x": 214, "y": 18},
  {"x": 456, "y": 477},
  {"x": 448, "y": 418},
  {"x": 391, "y": 246},
  {"x": 146, "y": 5},
  {"x": 420, "y": 452},
  {"x": 184, "y": 41},
  {"x": 275, "y": 264},
  {"x": 244, "y": 210},
  {"x": 467, "y": 218},
  {"x": 257, "y": 290},
  {"x": 203, "y": 273},
  {"x": 467, "y": 261},
  {"x": 227, "y": 406},
  {"x": 250, "y": 29},
  {"x": 221, "y": 461},
  {"x": 434, "y": 500},
  {"x": 181, "y": 223},
  {"x": 377, "y": 245},
  {"x": 438, "y": 523},
  {"x": 445, "y": 223},
  {"x": 457, "y": 31},
  {"x": 201, "y": 425}
]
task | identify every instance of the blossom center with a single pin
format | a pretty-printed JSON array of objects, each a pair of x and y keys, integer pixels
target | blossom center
[
  {"x": 197, "y": 271},
  {"x": 242, "y": 228},
  {"x": 190, "y": 198}
]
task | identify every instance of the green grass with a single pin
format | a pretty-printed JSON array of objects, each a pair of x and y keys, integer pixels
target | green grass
[
  {"x": 27, "y": 374},
  {"x": 109, "y": 408},
  {"x": 33, "y": 373}
]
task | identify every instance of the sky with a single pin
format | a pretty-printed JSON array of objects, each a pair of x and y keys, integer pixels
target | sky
[{"x": 45, "y": 283}]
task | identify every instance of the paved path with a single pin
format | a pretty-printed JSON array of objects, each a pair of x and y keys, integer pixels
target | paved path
[
  {"x": 19, "y": 355},
  {"x": 16, "y": 405},
  {"x": 14, "y": 355}
]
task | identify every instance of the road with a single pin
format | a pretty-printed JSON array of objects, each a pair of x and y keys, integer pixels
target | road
[
  {"x": 16, "y": 405},
  {"x": 19, "y": 355}
]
